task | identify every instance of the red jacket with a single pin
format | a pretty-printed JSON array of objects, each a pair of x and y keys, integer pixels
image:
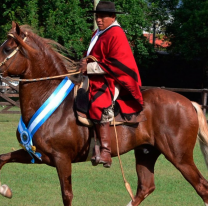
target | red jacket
[{"x": 115, "y": 57}]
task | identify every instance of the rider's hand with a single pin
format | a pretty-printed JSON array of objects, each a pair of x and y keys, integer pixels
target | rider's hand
[{"x": 83, "y": 65}]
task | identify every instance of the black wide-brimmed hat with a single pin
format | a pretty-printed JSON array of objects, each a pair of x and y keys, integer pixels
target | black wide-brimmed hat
[{"x": 106, "y": 7}]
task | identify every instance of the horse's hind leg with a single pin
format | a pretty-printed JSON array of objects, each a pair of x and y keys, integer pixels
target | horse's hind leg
[
  {"x": 180, "y": 154},
  {"x": 189, "y": 170},
  {"x": 146, "y": 157}
]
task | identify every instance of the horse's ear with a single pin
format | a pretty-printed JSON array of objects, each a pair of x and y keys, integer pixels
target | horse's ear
[
  {"x": 16, "y": 27},
  {"x": 13, "y": 24}
]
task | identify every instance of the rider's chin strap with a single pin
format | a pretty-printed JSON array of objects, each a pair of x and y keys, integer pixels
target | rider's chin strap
[{"x": 14, "y": 52}]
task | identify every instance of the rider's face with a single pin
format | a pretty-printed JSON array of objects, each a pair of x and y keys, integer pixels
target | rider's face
[{"x": 104, "y": 20}]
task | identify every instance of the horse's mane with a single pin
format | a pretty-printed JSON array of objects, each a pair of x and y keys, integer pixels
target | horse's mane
[{"x": 57, "y": 48}]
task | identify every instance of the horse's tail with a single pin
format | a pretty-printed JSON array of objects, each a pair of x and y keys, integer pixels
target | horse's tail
[{"x": 203, "y": 131}]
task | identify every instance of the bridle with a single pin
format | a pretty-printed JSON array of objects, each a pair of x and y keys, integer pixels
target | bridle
[
  {"x": 14, "y": 52},
  {"x": 72, "y": 72}
]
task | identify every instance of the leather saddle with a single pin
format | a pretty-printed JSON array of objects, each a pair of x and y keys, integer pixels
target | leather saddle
[{"x": 81, "y": 108}]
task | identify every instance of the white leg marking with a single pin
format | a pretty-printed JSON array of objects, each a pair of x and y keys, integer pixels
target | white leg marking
[
  {"x": 131, "y": 204},
  {"x": 206, "y": 204}
]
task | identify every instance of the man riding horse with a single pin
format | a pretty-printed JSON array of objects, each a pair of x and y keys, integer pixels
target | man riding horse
[{"x": 115, "y": 69}]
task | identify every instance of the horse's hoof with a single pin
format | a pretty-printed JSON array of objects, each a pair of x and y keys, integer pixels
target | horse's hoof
[
  {"x": 5, "y": 191},
  {"x": 94, "y": 161}
]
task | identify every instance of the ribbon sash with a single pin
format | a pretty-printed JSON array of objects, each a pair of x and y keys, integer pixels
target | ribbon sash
[{"x": 42, "y": 114}]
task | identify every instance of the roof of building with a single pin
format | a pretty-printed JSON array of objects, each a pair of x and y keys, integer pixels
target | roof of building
[{"x": 158, "y": 42}]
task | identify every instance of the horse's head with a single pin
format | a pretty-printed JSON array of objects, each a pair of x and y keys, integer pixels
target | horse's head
[
  {"x": 30, "y": 56},
  {"x": 13, "y": 52}
]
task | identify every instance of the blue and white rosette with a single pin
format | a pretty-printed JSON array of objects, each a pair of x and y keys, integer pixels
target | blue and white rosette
[{"x": 43, "y": 113}]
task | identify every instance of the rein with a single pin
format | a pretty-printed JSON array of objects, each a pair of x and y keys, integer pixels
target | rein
[
  {"x": 40, "y": 79},
  {"x": 73, "y": 72}
]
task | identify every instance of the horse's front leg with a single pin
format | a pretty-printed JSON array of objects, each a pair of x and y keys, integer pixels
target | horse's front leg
[
  {"x": 63, "y": 167},
  {"x": 19, "y": 156}
]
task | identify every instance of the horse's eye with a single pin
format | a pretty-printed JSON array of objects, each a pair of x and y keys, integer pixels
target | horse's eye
[{"x": 7, "y": 50}]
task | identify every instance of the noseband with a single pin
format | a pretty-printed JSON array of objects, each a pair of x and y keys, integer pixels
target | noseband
[{"x": 13, "y": 53}]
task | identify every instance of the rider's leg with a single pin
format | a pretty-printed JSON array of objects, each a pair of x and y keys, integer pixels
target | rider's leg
[{"x": 103, "y": 132}]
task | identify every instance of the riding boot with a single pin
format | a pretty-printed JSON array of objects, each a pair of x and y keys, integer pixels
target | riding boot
[{"x": 103, "y": 132}]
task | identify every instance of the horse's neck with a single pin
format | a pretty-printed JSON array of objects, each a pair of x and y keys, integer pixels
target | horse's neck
[
  {"x": 46, "y": 64},
  {"x": 34, "y": 94}
]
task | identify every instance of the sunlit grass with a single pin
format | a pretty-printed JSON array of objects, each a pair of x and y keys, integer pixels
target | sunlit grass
[{"x": 38, "y": 185}]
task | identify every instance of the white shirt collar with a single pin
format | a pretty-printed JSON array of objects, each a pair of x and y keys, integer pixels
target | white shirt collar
[{"x": 97, "y": 34}]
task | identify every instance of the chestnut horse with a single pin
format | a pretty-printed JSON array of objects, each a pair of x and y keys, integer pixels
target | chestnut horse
[{"x": 172, "y": 125}]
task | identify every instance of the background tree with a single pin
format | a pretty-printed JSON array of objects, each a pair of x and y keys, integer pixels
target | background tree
[
  {"x": 67, "y": 22},
  {"x": 188, "y": 32},
  {"x": 63, "y": 21},
  {"x": 189, "y": 29}
]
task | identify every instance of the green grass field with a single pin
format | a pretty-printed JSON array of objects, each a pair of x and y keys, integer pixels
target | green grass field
[{"x": 38, "y": 185}]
